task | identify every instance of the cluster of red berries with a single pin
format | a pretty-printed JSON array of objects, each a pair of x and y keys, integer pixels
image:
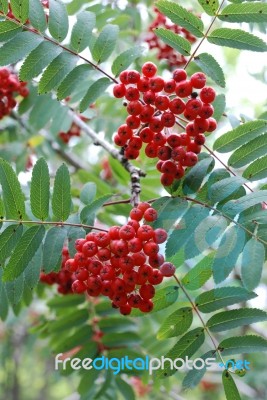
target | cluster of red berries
[
  {"x": 122, "y": 263},
  {"x": 154, "y": 106},
  {"x": 10, "y": 88},
  {"x": 166, "y": 52},
  {"x": 64, "y": 278},
  {"x": 74, "y": 130}
]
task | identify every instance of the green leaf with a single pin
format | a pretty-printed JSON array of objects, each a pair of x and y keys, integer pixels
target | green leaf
[
  {"x": 237, "y": 39},
  {"x": 196, "y": 175},
  {"x": 176, "y": 324},
  {"x": 58, "y": 23},
  {"x": 33, "y": 269},
  {"x": 8, "y": 30},
  {"x": 38, "y": 59},
  {"x": 249, "y": 152},
  {"x": 68, "y": 321},
  {"x": 180, "y": 16},
  {"x": 194, "y": 376},
  {"x": 20, "y": 9},
  {"x": 163, "y": 298},
  {"x": 243, "y": 344},
  {"x": 88, "y": 212},
  {"x": 234, "y": 207},
  {"x": 234, "y": 318},
  {"x": 199, "y": 274},
  {"x": 2, "y": 210},
  {"x": 61, "y": 199},
  {"x": 3, "y": 299},
  {"x": 88, "y": 193},
  {"x": 54, "y": 74},
  {"x": 4, "y": 6},
  {"x": 79, "y": 74},
  {"x": 59, "y": 302},
  {"x": 215, "y": 299},
  {"x": 94, "y": 91},
  {"x": 252, "y": 262},
  {"x": 219, "y": 105},
  {"x": 40, "y": 190},
  {"x": 79, "y": 337},
  {"x": 125, "y": 59},
  {"x": 82, "y": 30},
  {"x": 12, "y": 194},
  {"x": 105, "y": 43},
  {"x": 230, "y": 389},
  {"x": 186, "y": 346},
  {"x": 244, "y": 13},
  {"x": 231, "y": 245},
  {"x": 44, "y": 109},
  {"x": 53, "y": 245},
  {"x": 169, "y": 210},
  {"x": 123, "y": 339},
  {"x": 117, "y": 324},
  {"x": 18, "y": 47},
  {"x": 240, "y": 135},
  {"x": 174, "y": 40},
  {"x": 125, "y": 389},
  {"x": 8, "y": 240},
  {"x": 211, "y": 68},
  {"x": 206, "y": 233},
  {"x": 256, "y": 170},
  {"x": 184, "y": 230},
  {"x": 37, "y": 15},
  {"x": 14, "y": 290},
  {"x": 24, "y": 252},
  {"x": 222, "y": 189},
  {"x": 210, "y": 6}
]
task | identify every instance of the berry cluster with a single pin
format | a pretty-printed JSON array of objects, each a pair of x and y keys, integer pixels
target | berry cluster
[
  {"x": 154, "y": 106},
  {"x": 10, "y": 87},
  {"x": 123, "y": 263},
  {"x": 166, "y": 52},
  {"x": 64, "y": 278},
  {"x": 74, "y": 130}
]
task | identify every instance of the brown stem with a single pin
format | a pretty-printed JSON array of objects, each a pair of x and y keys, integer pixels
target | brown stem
[
  {"x": 200, "y": 318},
  {"x": 95, "y": 66},
  {"x": 58, "y": 223},
  {"x": 226, "y": 217},
  {"x": 135, "y": 172},
  {"x": 205, "y": 35},
  {"x": 227, "y": 168}
]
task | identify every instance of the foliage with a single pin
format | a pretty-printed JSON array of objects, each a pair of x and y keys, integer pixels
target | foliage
[{"x": 215, "y": 217}]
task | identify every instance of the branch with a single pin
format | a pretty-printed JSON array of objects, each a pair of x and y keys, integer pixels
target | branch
[
  {"x": 58, "y": 223},
  {"x": 227, "y": 168},
  {"x": 76, "y": 163},
  {"x": 135, "y": 172},
  {"x": 225, "y": 216},
  {"x": 205, "y": 35}
]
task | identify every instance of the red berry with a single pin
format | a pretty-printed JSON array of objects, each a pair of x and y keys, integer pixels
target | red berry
[
  {"x": 179, "y": 75},
  {"x": 207, "y": 95},
  {"x": 149, "y": 69},
  {"x": 119, "y": 90},
  {"x": 198, "y": 80},
  {"x": 167, "y": 269},
  {"x": 150, "y": 214}
]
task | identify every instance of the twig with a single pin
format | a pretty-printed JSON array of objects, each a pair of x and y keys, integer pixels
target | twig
[
  {"x": 135, "y": 172},
  {"x": 225, "y": 216},
  {"x": 77, "y": 164},
  {"x": 205, "y": 35},
  {"x": 56, "y": 223}
]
